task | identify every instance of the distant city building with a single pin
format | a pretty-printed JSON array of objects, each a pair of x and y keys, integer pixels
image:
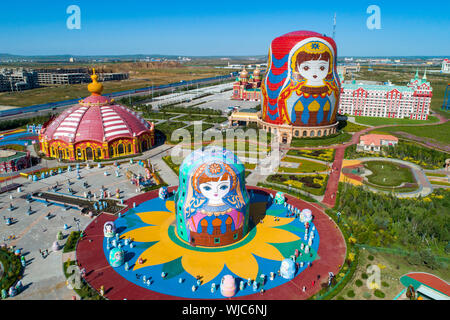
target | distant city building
[
  {"x": 246, "y": 88},
  {"x": 445, "y": 66},
  {"x": 374, "y": 142},
  {"x": 17, "y": 79},
  {"x": 62, "y": 78},
  {"x": 113, "y": 76},
  {"x": 389, "y": 101},
  {"x": 348, "y": 69}
]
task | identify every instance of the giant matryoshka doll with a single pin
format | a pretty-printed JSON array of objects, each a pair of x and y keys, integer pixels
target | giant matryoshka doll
[
  {"x": 301, "y": 86},
  {"x": 212, "y": 202}
]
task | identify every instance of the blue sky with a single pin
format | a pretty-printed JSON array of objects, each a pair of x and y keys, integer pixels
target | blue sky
[{"x": 220, "y": 27}]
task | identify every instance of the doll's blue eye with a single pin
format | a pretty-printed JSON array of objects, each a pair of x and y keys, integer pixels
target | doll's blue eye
[
  {"x": 207, "y": 188},
  {"x": 223, "y": 187}
]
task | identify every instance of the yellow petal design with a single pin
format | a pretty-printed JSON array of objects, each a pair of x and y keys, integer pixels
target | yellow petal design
[
  {"x": 267, "y": 251},
  {"x": 274, "y": 235},
  {"x": 203, "y": 264},
  {"x": 145, "y": 234},
  {"x": 243, "y": 265},
  {"x": 156, "y": 218},
  {"x": 208, "y": 264},
  {"x": 170, "y": 205},
  {"x": 157, "y": 254}
]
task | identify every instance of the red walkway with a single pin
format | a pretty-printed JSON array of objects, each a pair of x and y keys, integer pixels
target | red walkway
[
  {"x": 332, "y": 251},
  {"x": 329, "y": 199}
]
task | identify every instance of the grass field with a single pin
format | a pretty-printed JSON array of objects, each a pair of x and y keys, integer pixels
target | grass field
[
  {"x": 374, "y": 121},
  {"x": 352, "y": 127},
  {"x": 432, "y": 174},
  {"x": 388, "y": 174},
  {"x": 318, "y": 142},
  {"x": 440, "y": 132},
  {"x": 145, "y": 78},
  {"x": 439, "y": 183}
]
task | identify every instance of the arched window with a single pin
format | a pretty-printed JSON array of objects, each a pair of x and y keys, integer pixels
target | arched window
[
  {"x": 120, "y": 149},
  {"x": 111, "y": 151},
  {"x": 325, "y": 132},
  {"x": 296, "y": 133},
  {"x": 319, "y": 133},
  {"x": 311, "y": 134},
  {"x": 79, "y": 154},
  {"x": 129, "y": 148},
  {"x": 305, "y": 133}
]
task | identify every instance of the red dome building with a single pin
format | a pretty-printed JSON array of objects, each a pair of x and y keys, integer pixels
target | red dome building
[{"x": 96, "y": 128}]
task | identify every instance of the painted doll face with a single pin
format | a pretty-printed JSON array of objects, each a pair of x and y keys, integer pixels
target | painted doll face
[
  {"x": 214, "y": 191},
  {"x": 314, "y": 71}
]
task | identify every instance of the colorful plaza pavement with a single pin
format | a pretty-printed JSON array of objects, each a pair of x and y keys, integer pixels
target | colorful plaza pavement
[{"x": 151, "y": 226}]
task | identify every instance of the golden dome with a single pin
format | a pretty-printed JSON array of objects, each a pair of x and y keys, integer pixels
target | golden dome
[
  {"x": 244, "y": 73},
  {"x": 95, "y": 87},
  {"x": 256, "y": 72}
]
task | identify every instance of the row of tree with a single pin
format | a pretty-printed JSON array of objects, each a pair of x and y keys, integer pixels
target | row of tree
[
  {"x": 383, "y": 220},
  {"x": 17, "y": 123}
]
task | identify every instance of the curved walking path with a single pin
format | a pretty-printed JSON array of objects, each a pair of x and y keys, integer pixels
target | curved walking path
[
  {"x": 332, "y": 252},
  {"x": 425, "y": 187},
  {"x": 333, "y": 181}
]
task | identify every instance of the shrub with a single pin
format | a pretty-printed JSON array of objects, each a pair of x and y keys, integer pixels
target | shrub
[
  {"x": 385, "y": 284},
  {"x": 379, "y": 293},
  {"x": 364, "y": 276},
  {"x": 72, "y": 241},
  {"x": 351, "y": 293},
  {"x": 370, "y": 257},
  {"x": 358, "y": 283}
]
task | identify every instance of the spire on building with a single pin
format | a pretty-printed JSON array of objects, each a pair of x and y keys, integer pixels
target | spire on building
[
  {"x": 417, "y": 74},
  {"x": 95, "y": 87}
]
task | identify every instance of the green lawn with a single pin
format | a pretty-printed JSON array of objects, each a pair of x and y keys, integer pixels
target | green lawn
[
  {"x": 171, "y": 164},
  {"x": 12, "y": 268},
  {"x": 190, "y": 117},
  {"x": 375, "y": 121},
  {"x": 440, "y": 132},
  {"x": 348, "y": 126},
  {"x": 323, "y": 141},
  {"x": 250, "y": 166},
  {"x": 439, "y": 183},
  {"x": 168, "y": 127},
  {"x": 159, "y": 115},
  {"x": 387, "y": 174},
  {"x": 432, "y": 174}
]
